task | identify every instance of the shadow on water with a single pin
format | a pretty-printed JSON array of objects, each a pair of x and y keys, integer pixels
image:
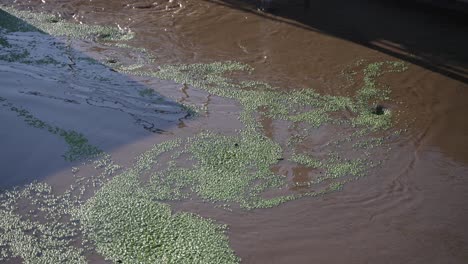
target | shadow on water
[
  {"x": 422, "y": 34},
  {"x": 51, "y": 93}
]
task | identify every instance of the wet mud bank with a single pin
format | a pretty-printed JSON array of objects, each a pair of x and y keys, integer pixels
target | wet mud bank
[{"x": 209, "y": 132}]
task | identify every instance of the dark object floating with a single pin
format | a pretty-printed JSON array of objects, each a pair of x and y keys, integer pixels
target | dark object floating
[
  {"x": 379, "y": 110},
  {"x": 236, "y": 145}
]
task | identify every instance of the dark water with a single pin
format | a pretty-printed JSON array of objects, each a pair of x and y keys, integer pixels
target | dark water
[{"x": 414, "y": 209}]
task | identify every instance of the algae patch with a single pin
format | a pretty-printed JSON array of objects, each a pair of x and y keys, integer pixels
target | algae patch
[
  {"x": 225, "y": 169},
  {"x": 128, "y": 226},
  {"x": 25, "y": 21},
  {"x": 122, "y": 221},
  {"x": 304, "y": 105},
  {"x": 26, "y": 235},
  {"x": 236, "y": 169}
]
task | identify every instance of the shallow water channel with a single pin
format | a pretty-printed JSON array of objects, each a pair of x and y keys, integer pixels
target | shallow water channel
[{"x": 206, "y": 131}]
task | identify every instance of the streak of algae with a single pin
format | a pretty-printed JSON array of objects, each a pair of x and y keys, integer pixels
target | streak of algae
[
  {"x": 78, "y": 145},
  {"x": 226, "y": 169},
  {"x": 26, "y": 21}
]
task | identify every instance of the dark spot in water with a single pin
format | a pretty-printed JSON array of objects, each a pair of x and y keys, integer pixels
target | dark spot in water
[
  {"x": 119, "y": 261},
  {"x": 143, "y": 6},
  {"x": 280, "y": 159},
  {"x": 111, "y": 61},
  {"x": 236, "y": 145},
  {"x": 378, "y": 110},
  {"x": 54, "y": 20}
]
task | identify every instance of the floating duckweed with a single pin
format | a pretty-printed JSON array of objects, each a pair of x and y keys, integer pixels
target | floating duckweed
[
  {"x": 136, "y": 229},
  {"x": 26, "y": 237},
  {"x": 295, "y": 139},
  {"x": 298, "y": 106},
  {"x": 126, "y": 219},
  {"x": 122, "y": 219},
  {"x": 315, "y": 118},
  {"x": 236, "y": 168},
  {"x": 56, "y": 26},
  {"x": 338, "y": 169},
  {"x": 127, "y": 225},
  {"x": 335, "y": 186},
  {"x": 129, "y": 68},
  {"x": 306, "y": 161},
  {"x": 107, "y": 164},
  {"x": 369, "y": 143},
  {"x": 225, "y": 169}
]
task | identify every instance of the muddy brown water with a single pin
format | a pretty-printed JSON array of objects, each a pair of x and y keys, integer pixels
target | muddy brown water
[{"x": 413, "y": 210}]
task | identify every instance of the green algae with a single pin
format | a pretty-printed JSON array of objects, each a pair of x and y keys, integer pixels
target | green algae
[
  {"x": 122, "y": 221},
  {"x": 304, "y": 105},
  {"x": 138, "y": 229},
  {"x": 126, "y": 219},
  {"x": 78, "y": 145},
  {"x": 127, "y": 225},
  {"x": 369, "y": 143},
  {"x": 306, "y": 160},
  {"x": 146, "y": 92},
  {"x": 39, "y": 226},
  {"x": 237, "y": 168},
  {"x": 27, "y": 236},
  {"x": 334, "y": 167},
  {"x": 225, "y": 169},
  {"x": 337, "y": 168},
  {"x": 25, "y": 21}
]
